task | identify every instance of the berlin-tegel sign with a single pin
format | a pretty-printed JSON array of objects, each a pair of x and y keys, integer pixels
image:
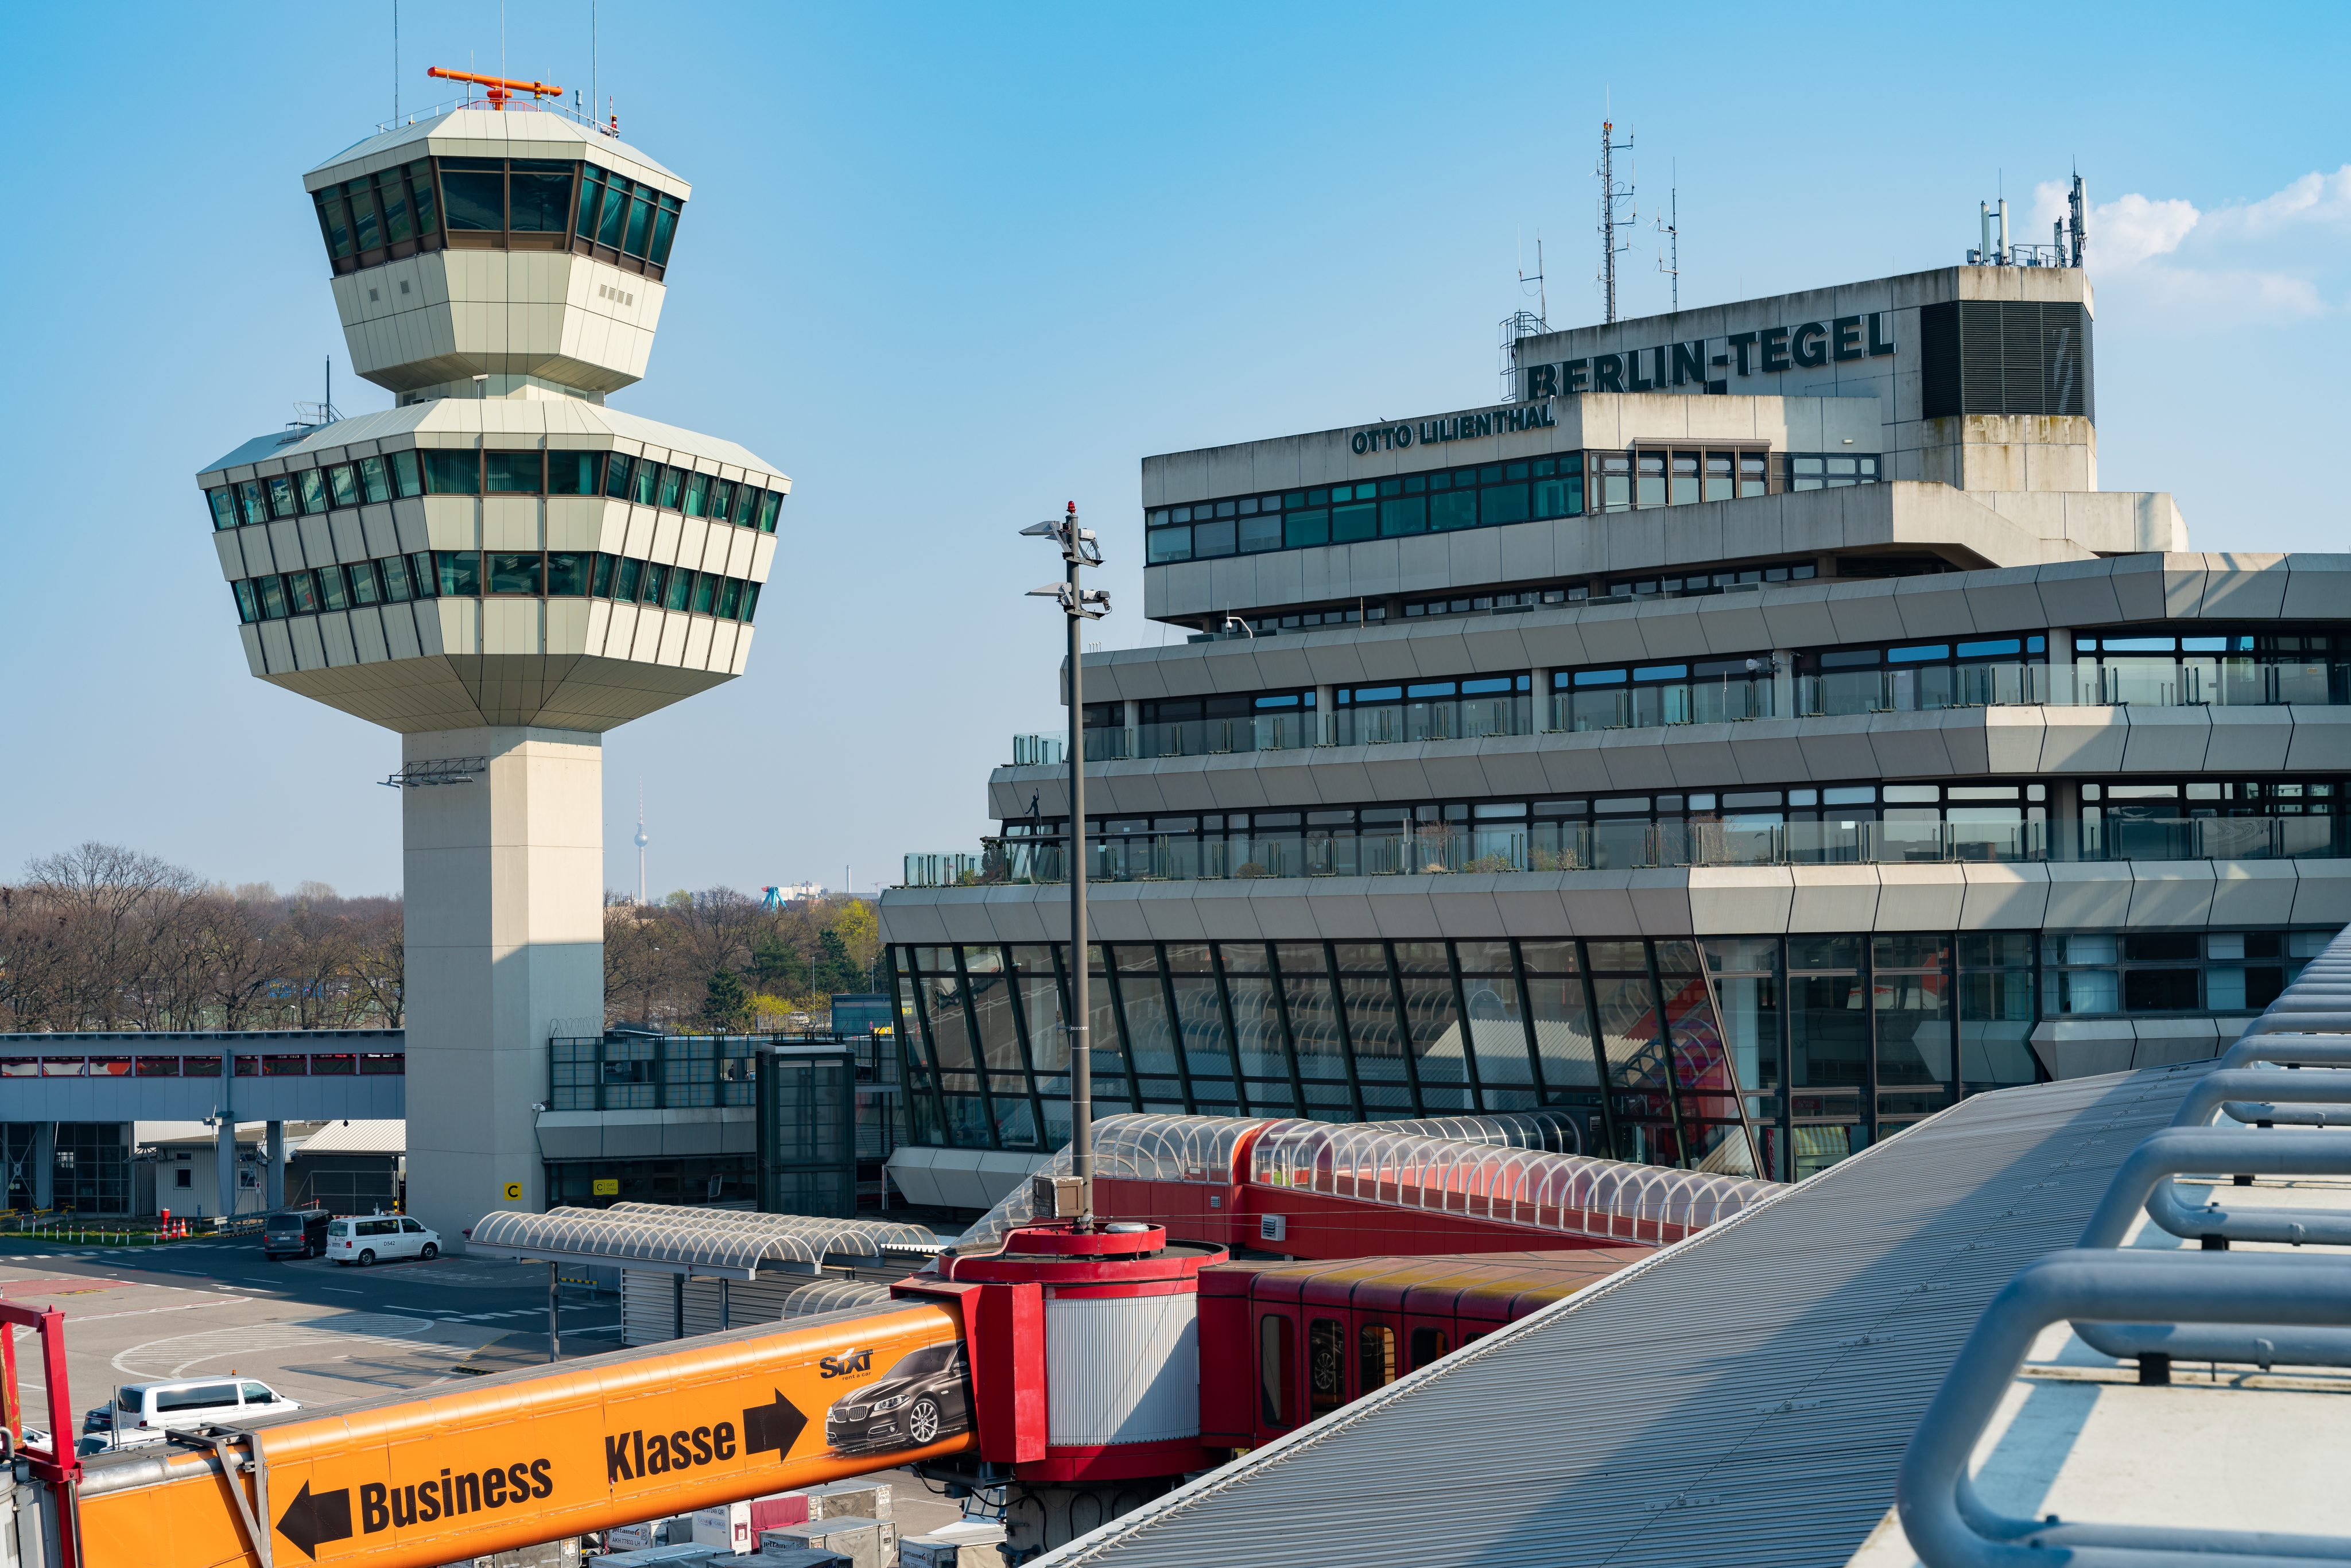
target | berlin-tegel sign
[{"x": 483, "y": 1466}]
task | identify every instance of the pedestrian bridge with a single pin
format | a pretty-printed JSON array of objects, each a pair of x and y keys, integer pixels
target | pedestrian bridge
[{"x": 261, "y": 1075}]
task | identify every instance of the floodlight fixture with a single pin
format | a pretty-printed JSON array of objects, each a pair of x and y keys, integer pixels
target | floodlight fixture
[{"x": 1079, "y": 604}]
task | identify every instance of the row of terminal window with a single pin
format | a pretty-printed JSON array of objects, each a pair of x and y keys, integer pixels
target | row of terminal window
[
  {"x": 1489, "y": 496},
  {"x": 1697, "y": 583},
  {"x": 1853, "y": 679},
  {"x": 438, "y": 574},
  {"x": 1912, "y": 655},
  {"x": 1984, "y": 821},
  {"x": 1984, "y": 800},
  {"x": 507, "y": 204},
  {"x": 307, "y": 492}
]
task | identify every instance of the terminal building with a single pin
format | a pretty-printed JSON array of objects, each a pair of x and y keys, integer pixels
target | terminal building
[{"x": 1754, "y": 735}]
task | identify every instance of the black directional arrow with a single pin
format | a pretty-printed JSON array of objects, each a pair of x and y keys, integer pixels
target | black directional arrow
[
  {"x": 770, "y": 1428},
  {"x": 313, "y": 1518}
]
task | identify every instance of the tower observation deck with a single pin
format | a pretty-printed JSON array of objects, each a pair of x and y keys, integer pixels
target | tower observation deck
[{"x": 499, "y": 567}]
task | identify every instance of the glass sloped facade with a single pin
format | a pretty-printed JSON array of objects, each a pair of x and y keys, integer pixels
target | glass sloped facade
[
  {"x": 1801, "y": 1049},
  {"x": 1332, "y": 1031}
]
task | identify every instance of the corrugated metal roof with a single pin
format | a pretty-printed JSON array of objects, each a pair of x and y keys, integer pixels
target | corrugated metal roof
[
  {"x": 362, "y": 1137},
  {"x": 1741, "y": 1398}
]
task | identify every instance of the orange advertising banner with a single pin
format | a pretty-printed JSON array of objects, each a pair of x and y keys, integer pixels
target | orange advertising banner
[{"x": 464, "y": 1469}]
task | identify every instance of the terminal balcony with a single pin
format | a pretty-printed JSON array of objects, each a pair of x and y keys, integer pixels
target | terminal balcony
[
  {"x": 1454, "y": 713},
  {"x": 1443, "y": 849}
]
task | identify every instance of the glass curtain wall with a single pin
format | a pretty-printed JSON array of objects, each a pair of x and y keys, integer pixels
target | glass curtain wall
[
  {"x": 1334, "y": 1032},
  {"x": 1778, "y": 1056}
]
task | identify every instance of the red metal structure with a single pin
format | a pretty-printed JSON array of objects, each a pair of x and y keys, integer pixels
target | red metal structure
[
  {"x": 1282, "y": 1343},
  {"x": 54, "y": 1462},
  {"x": 1318, "y": 1189}
]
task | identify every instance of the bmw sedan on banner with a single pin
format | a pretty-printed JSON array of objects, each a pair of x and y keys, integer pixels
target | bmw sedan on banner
[{"x": 922, "y": 1396}]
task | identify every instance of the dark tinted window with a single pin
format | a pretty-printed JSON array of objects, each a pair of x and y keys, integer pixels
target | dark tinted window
[
  {"x": 513, "y": 473},
  {"x": 452, "y": 473},
  {"x": 514, "y": 573},
  {"x": 540, "y": 191},
  {"x": 200, "y": 1398},
  {"x": 930, "y": 1359},
  {"x": 473, "y": 192},
  {"x": 1326, "y": 1366}
]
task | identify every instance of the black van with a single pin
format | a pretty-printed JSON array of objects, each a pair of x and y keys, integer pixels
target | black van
[{"x": 296, "y": 1233}]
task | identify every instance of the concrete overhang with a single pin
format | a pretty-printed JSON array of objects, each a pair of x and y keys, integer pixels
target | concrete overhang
[
  {"x": 1952, "y": 742},
  {"x": 1674, "y": 901}
]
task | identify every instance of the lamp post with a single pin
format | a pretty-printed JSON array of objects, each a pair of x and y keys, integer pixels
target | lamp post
[{"x": 1079, "y": 605}]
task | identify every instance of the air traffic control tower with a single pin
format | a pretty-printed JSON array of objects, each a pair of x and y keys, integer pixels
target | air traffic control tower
[{"x": 500, "y": 569}]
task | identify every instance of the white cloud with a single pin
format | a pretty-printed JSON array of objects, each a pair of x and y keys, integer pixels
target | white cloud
[
  {"x": 2123, "y": 232},
  {"x": 2212, "y": 297},
  {"x": 2281, "y": 255},
  {"x": 2134, "y": 229},
  {"x": 2314, "y": 199}
]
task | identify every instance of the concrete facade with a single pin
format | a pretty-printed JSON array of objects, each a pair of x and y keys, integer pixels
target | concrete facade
[{"x": 1969, "y": 452}]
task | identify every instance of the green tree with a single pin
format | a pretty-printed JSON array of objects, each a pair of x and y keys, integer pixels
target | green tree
[
  {"x": 836, "y": 970},
  {"x": 779, "y": 968},
  {"x": 725, "y": 1005}
]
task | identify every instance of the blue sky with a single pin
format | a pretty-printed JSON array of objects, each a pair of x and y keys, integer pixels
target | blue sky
[{"x": 952, "y": 266}]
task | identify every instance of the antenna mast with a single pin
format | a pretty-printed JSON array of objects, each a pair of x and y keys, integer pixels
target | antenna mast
[
  {"x": 395, "y": 61},
  {"x": 2078, "y": 202},
  {"x": 1523, "y": 322},
  {"x": 1671, "y": 228},
  {"x": 1613, "y": 196}
]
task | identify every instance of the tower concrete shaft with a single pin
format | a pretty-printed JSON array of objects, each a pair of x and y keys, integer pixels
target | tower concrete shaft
[{"x": 506, "y": 950}]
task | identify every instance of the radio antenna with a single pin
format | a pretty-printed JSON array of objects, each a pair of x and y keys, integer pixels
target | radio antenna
[
  {"x": 1613, "y": 196},
  {"x": 1523, "y": 322},
  {"x": 1670, "y": 227}
]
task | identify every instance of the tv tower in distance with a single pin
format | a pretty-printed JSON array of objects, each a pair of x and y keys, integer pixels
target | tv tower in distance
[{"x": 641, "y": 841}]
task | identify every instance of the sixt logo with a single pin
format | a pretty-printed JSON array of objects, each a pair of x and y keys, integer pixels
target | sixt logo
[{"x": 856, "y": 1361}]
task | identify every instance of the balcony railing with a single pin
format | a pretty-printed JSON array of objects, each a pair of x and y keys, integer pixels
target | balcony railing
[
  {"x": 1640, "y": 845},
  {"x": 1926, "y": 688}
]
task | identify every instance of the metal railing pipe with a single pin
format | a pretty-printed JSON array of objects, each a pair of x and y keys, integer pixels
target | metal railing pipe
[
  {"x": 2289, "y": 1050},
  {"x": 1950, "y": 1526},
  {"x": 2300, "y": 1022},
  {"x": 2143, "y": 1181},
  {"x": 2250, "y": 1095}
]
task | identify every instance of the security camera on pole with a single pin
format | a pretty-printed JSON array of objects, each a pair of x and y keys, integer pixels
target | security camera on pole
[{"x": 1079, "y": 604}]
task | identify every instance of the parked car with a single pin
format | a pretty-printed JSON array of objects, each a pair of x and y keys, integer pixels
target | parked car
[
  {"x": 296, "y": 1233},
  {"x": 142, "y": 1412},
  {"x": 922, "y": 1397},
  {"x": 366, "y": 1239}
]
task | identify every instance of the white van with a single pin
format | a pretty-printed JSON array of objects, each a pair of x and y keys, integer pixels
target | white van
[
  {"x": 372, "y": 1238},
  {"x": 143, "y": 1412}
]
